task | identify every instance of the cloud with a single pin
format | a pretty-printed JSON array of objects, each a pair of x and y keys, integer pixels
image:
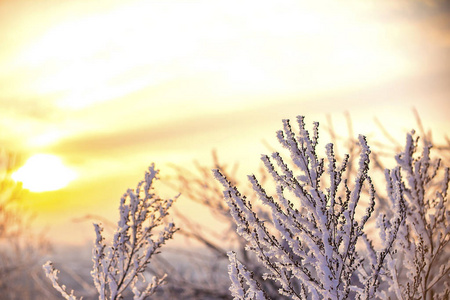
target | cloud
[
  {"x": 28, "y": 109},
  {"x": 178, "y": 133}
]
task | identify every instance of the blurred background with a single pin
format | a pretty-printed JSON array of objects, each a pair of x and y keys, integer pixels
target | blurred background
[{"x": 97, "y": 90}]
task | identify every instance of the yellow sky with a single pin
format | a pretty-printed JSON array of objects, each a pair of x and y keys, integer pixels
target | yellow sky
[{"x": 111, "y": 86}]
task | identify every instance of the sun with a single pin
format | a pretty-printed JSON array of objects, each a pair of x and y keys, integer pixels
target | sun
[{"x": 44, "y": 172}]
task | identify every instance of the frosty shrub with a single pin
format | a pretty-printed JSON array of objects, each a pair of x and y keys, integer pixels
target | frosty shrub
[
  {"x": 420, "y": 268},
  {"x": 121, "y": 265},
  {"x": 320, "y": 246}
]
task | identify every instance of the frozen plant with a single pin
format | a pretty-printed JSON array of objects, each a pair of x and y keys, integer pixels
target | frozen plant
[
  {"x": 420, "y": 268},
  {"x": 122, "y": 264},
  {"x": 319, "y": 248}
]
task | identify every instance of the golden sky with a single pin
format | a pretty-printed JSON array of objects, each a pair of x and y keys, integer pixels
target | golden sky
[{"x": 111, "y": 86}]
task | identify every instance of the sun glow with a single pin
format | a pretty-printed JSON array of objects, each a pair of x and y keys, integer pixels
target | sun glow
[{"x": 43, "y": 172}]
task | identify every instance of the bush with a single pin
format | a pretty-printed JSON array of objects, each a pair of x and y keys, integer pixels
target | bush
[
  {"x": 317, "y": 244},
  {"x": 421, "y": 260},
  {"x": 121, "y": 265}
]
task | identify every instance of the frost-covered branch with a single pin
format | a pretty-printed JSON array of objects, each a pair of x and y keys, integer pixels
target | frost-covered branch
[
  {"x": 420, "y": 268},
  {"x": 52, "y": 274},
  {"x": 122, "y": 264},
  {"x": 314, "y": 252},
  {"x": 239, "y": 276}
]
